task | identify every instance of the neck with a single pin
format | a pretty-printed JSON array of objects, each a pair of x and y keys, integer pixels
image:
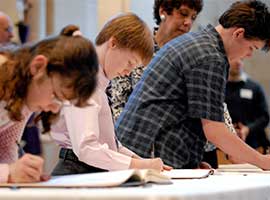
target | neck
[
  {"x": 101, "y": 54},
  {"x": 160, "y": 37},
  {"x": 234, "y": 78},
  {"x": 226, "y": 37}
]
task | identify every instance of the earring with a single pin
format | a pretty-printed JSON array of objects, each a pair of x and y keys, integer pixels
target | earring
[{"x": 162, "y": 17}]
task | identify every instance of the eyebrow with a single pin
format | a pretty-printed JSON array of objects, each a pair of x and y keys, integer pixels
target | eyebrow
[{"x": 256, "y": 47}]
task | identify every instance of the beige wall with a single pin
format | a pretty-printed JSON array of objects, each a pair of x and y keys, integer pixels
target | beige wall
[{"x": 107, "y": 9}]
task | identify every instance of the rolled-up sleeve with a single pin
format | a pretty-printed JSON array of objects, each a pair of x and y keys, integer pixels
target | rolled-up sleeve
[{"x": 88, "y": 144}]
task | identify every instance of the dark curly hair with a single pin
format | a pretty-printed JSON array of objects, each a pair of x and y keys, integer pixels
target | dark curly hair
[
  {"x": 253, "y": 16},
  {"x": 169, "y": 5}
]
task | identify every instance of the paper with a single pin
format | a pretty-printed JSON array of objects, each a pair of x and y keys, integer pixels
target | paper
[
  {"x": 188, "y": 173},
  {"x": 238, "y": 168}
]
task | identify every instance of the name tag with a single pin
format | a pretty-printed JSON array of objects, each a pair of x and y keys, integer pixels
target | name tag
[{"x": 246, "y": 94}]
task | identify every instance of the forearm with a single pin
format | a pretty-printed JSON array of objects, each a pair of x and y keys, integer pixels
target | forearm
[{"x": 218, "y": 134}]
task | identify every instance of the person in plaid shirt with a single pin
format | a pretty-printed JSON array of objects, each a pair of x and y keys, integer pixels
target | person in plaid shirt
[{"x": 178, "y": 103}]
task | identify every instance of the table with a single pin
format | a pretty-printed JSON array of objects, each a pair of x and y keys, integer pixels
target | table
[{"x": 220, "y": 186}]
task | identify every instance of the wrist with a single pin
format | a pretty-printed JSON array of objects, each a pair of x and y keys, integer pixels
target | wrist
[{"x": 262, "y": 160}]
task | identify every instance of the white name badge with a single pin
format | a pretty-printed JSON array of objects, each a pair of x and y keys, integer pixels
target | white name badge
[{"x": 246, "y": 94}]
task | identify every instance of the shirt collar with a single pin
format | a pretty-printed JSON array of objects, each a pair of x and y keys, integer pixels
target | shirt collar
[
  {"x": 243, "y": 77},
  {"x": 213, "y": 32}
]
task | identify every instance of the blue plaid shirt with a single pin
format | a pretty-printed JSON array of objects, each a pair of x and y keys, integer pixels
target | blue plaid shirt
[{"x": 184, "y": 83}]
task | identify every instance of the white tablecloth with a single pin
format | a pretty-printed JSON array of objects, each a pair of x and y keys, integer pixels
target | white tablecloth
[{"x": 229, "y": 186}]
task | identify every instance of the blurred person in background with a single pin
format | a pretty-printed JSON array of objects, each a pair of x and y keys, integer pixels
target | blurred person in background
[{"x": 248, "y": 107}]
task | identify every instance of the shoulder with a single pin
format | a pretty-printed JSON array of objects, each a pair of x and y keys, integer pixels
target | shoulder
[{"x": 253, "y": 84}]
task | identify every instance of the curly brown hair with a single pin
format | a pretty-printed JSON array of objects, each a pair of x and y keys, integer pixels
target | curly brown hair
[{"x": 73, "y": 58}]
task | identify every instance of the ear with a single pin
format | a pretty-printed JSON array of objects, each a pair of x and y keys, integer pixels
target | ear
[
  {"x": 38, "y": 65},
  {"x": 239, "y": 33},
  {"x": 162, "y": 11},
  {"x": 112, "y": 43}
]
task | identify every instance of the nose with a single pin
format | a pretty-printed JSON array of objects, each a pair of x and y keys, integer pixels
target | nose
[
  {"x": 249, "y": 54},
  {"x": 54, "y": 107},
  {"x": 188, "y": 22},
  {"x": 126, "y": 72}
]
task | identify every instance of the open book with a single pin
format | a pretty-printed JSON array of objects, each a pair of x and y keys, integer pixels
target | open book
[
  {"x": 188, "y": 173},
  {"x": 131, "y": 177}
]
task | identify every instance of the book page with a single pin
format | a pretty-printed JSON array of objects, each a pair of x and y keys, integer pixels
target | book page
[
  {"x": 132, "y": 177},
  {"x": 240, "y": 168},
  {"x": 101, "y": 179},
  {"x": 154, "y": 176},
  {"x": 188, "y": 173}
]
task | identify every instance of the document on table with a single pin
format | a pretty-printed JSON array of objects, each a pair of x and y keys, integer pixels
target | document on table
[{"x": 189, "y": 173}]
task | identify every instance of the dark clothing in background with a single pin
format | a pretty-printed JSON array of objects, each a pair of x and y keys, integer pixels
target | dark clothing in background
[
  {"x": 247, "y": 104},
  {"x": 31, "y": 137}
]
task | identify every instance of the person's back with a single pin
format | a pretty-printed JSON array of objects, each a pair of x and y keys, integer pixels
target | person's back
[
  {"x": 149, "y": 110},
  {"x": 179, "y": 101}
]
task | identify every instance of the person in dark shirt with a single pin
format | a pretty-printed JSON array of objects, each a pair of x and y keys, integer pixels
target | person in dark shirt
[
  {"x": 178, "y": 102},
  {"x": 247, "y": 106}
]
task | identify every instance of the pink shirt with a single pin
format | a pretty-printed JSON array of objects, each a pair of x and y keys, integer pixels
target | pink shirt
[
  {"x": 89, "y": 131},
  {"x": 4, "y": 171},
  {"x": 10, "y": 132}
]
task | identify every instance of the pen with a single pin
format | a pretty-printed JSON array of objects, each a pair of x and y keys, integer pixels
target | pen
[
  {"x": 20, "y": 149},
  {"x": 153, "y": 151}
]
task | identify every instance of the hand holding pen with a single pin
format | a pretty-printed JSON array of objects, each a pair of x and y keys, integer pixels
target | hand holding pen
[{"x": 29, "y": 168}]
